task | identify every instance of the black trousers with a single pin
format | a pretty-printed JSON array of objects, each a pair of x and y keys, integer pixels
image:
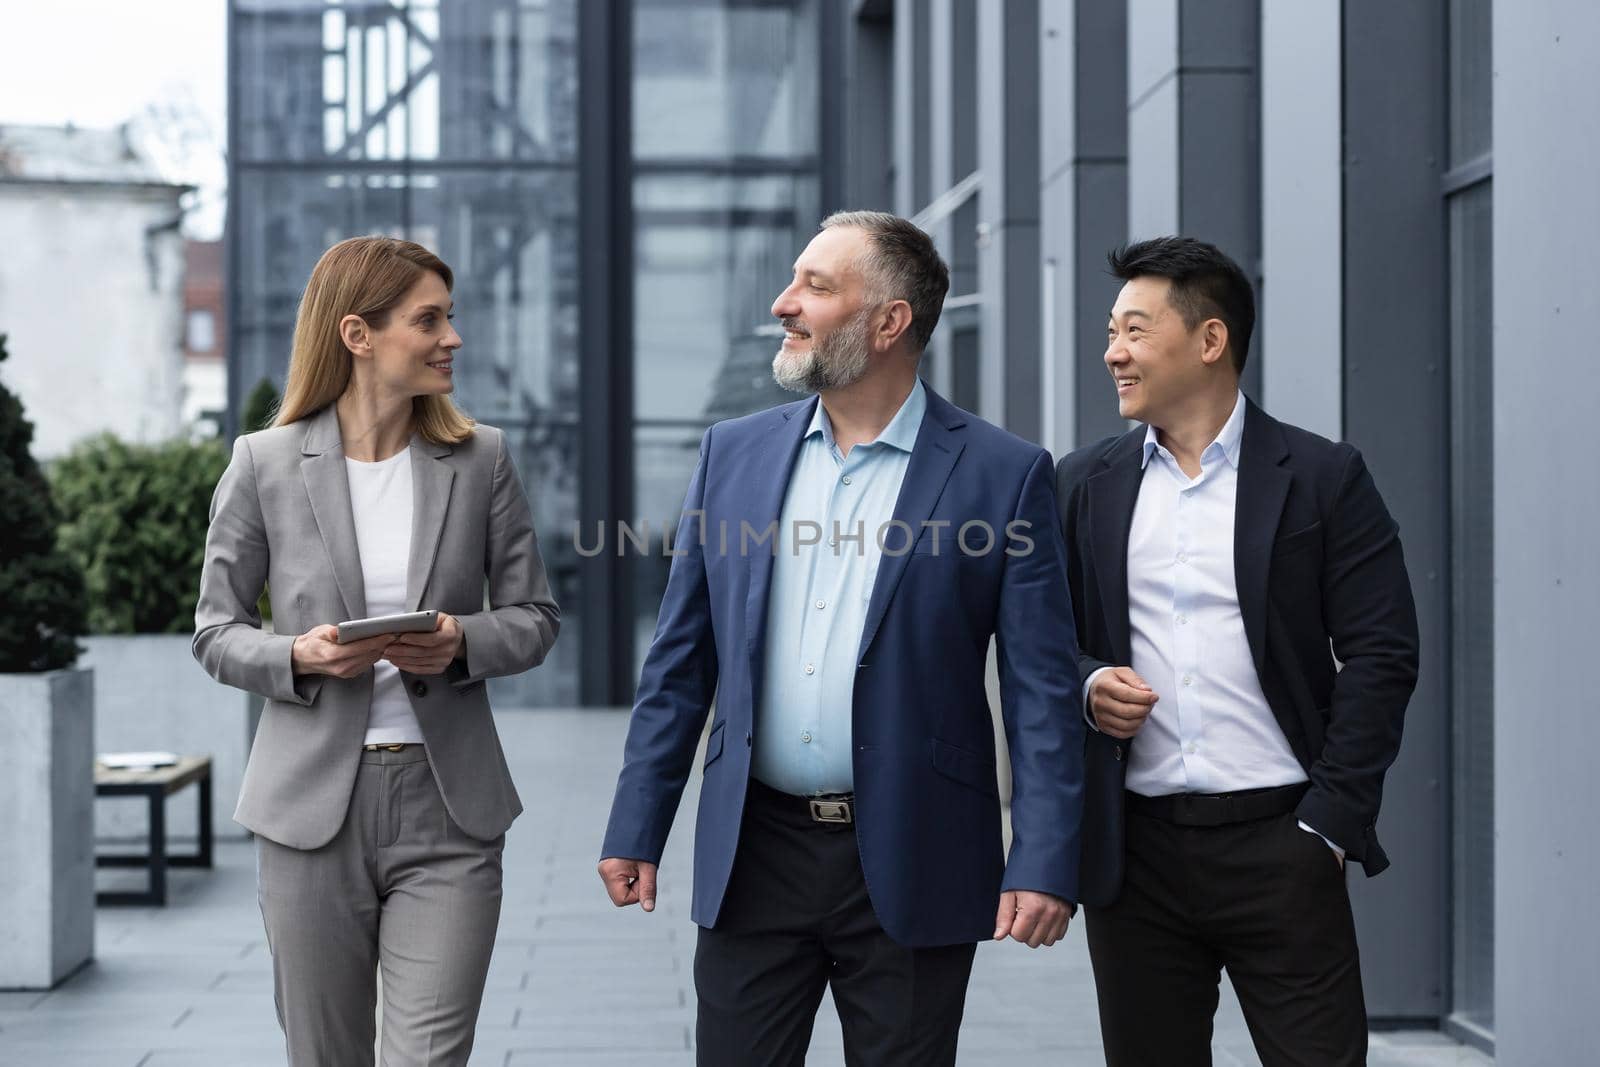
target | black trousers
[
  {"x": 1263, "y": 898},
  {"x": 796, "y": 919}
]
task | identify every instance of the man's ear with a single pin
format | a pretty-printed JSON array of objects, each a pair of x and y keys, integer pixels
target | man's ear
[
  {"x": 353, "y": 331},
  {"x": 1213, "y": 340},
  {"x": 894, "y": 322}
]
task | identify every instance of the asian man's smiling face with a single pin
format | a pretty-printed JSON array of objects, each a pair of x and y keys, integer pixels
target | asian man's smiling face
[{"x": 1154, "y": 358}]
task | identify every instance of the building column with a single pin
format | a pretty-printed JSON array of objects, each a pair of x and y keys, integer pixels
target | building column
[
  {"x": 1546, "y": 226},
  {"x": 1008, "y": 215},
  {"x": 1083, "y": 211},
  {"x": 1194, "y": 158},
  {"x": 1396, "y": 400},
  {"x": 1301, "y": 214}
]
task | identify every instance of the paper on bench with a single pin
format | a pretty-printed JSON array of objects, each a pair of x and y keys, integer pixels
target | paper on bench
[{"x": 127, "y": 761}]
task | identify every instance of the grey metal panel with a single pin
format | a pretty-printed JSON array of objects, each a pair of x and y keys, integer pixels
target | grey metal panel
[
  {"x": 869, "y": 98},
  {"x": 1083, "y": 207},
  {"x": 911, "y": 47},
  {"x": 1057, "y": 195},
  {"x": 1193, "y": 137},
  {"x": 1101, "y": 210},
  {"x": 1301, "y": 216},
  {"x": 1396, "y": 410},
  {"x": 1100, "y": 75},
  {"x": 1153, "y": 45},
  {"x": 940, "y": 60},
  {"x": 1153, "y": 170},
  {"x": 1219, "y": 198},
  {"x": 1008, "y": 206},
  {"x": 1215, "y": 34},
  {"x": 1546, "y": 300},
  {"x": 1220, "y": 193},
  {"x": 1058, "y": 135}
]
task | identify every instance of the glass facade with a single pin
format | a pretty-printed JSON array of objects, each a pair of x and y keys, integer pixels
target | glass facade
[
  {"x": 726, "y": 191},
  {"x": 457, "y": 124}
]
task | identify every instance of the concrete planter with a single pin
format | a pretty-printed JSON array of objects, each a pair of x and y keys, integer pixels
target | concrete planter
[
  {"x": 151, "y": 695},
  {"x": 47, "y": 832}
]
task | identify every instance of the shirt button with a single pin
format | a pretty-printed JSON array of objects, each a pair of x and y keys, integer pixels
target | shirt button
[
  {"x": 806, "y": 736},
  {"x": 833, "y": 542},
  {"x": 1187, "y": 680},
  {"x": 811, "y": 669},
  {"x": 1183, "y": 557},
  {"x": 1183, "y": 620},
  {"x": 821, "y": 604},
  {"x": 1191, "y": 748},
  {"x": 846, "y": 479}
]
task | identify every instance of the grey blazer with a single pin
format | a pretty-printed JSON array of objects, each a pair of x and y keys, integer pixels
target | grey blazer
[{"x": 281, "y": 518}]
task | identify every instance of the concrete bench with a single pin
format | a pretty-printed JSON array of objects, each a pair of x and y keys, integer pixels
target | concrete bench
[{"x": 155, "y": 785}]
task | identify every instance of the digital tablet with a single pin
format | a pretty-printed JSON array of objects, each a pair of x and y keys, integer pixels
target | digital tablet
[{"x": 410, "y": 622}]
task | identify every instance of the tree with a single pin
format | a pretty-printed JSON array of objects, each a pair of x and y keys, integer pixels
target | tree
[
  {"x": 42, "y": 600},
  {"x": 260, "y": 407}
]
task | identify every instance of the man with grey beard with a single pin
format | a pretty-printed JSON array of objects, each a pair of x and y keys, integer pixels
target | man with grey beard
[{"x": 843, "y": 564}]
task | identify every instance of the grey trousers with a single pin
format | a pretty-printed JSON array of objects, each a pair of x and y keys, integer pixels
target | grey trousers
[{"x": 399, "y": 887}]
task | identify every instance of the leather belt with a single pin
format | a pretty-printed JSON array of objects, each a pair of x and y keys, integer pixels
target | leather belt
[
  {"x": 1219, "y": 809},
  {"x": 389, "y": 748},
  {"x": 834, "y": 809}
]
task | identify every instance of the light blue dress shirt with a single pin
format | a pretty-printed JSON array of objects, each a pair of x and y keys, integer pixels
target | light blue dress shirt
[{"x": 822, "y": 577}]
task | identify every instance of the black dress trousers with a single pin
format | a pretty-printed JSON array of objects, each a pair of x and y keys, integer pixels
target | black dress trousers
[
  {"x": 796, "y": 919},
  {"x": 1264, "y": 899}
]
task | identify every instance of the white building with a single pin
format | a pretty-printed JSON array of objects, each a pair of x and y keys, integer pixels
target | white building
[{"x": 91, "y": 286}]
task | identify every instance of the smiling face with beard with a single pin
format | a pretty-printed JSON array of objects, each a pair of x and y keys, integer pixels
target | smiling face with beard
[
  {"x": 827, "y": 314},
  {"x": 838, "y": 359}
]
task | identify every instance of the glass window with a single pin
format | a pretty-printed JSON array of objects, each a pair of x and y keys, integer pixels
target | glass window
[
  {"x": 725, "y": 196},
  {"x": 201, "y": 330},
  {"x": 453, "y": 125},
  {"x": 723, "y": 79}
]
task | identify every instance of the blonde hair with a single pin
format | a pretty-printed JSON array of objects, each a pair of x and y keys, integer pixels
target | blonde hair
[{"x": 365, "y": 276}]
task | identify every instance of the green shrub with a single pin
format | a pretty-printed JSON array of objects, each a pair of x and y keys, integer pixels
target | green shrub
[
  {"x": 260, "y": 407},
  {"x": 135, "y": 519},
  {"x": 41, "y": 588}
]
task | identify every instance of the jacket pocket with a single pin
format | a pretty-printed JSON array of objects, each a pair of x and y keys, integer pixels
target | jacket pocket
[
  {"x": 966, "y": 767},
  {"x": 1297, "y": 541},
  {"x": 714, "y": 744}
]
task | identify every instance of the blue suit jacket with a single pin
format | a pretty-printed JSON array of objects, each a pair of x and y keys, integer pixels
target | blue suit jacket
[{"x": 927, "y": 803}]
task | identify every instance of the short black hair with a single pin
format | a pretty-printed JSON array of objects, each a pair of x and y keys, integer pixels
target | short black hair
[{"x": 1206, "y": 284}]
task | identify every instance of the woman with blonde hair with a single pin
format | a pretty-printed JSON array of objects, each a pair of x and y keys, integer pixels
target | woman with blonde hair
[{"x": 376, "y": 786}]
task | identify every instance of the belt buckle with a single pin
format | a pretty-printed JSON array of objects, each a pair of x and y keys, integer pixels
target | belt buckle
[{"x": 835, "y": 811}]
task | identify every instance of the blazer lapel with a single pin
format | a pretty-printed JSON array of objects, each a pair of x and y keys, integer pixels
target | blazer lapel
[
  {"x": 1258, "y": 507},
  {"x": 328, "y": 487},
  {"x": 933, "y": 457},
  {"x": 1112, "y": 495},
  {"x": 431, "y": 479},
  {"x": 770, "y": 468}
]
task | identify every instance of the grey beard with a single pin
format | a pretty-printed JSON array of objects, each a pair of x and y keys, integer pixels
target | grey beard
[{"x": 838, "y": 361}]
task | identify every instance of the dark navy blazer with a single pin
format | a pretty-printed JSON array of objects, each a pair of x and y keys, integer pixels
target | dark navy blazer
[
  {"x": 927, "y": 803},
  {"x": 1320, "y": 574}
]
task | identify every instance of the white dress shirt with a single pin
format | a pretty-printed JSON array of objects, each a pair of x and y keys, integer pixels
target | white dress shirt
[
  {"x": 1212, "y": 730},
  {"x": 381, "y": 503}
]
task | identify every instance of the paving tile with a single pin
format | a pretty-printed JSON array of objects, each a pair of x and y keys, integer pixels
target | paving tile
[{"x": 574, "y": 981}]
